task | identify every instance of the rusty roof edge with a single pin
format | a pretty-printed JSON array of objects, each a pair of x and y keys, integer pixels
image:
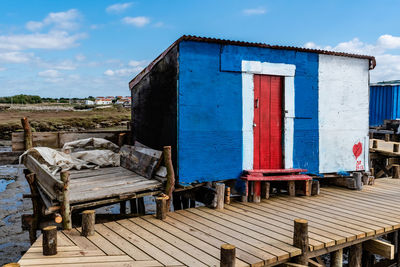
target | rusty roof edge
[{"x": 144, "y": 72}]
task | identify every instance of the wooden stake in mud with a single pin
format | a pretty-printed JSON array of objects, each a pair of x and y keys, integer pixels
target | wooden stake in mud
[
  {"x": 220, "y": 188},
  {"x": 300, "y": 240},
  {"x": 170, "y": 186},
  {"x": 355, "y": 255},
  {"x": 228, "y": 255},
  {"x": 88, "y": 222},
  {"x": 49, "y": 240},
  {"x": 27, "y": 133},
  {"x": 65, "y": 208},
  {"x": 161, "y": 207}
]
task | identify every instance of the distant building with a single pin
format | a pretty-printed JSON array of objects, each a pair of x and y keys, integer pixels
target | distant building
[
  {"x": 89, "y": 102},
  {"x": 103, "y": 101},
  {"x": 124, "y": 101},
  {"x": 384, "y": 102}
]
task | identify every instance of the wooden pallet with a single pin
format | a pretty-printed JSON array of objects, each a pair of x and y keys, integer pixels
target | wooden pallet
[{"x": 258, "y": 182}]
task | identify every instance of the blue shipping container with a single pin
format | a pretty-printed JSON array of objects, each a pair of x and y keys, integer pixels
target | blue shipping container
[{"x": 384, "y": 102}]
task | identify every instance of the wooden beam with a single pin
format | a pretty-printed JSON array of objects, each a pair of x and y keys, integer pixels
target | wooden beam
[
  {"x": 312, "y": 263},
  {"x": 380, "y": 248}
]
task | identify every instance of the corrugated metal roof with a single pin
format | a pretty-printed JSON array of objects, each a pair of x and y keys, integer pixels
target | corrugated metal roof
[{"x": 134, "y": 81}]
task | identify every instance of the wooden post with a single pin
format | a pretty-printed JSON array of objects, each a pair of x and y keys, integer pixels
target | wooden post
[
  {"x": 65, "y": 208},
  {"x": 133, "y": 206},
  {"x": 31, "y": 179},
  {"x": 220, "y": 188},
  {"x": 375, "y": 144},
  {"x": 315, "y": 188},
  {"x": 387, "y": 137},
  {"x": 355, "y": 255},
  {"x": 161, "y": 207},
  {"x": 300, "y": 240},
  {"x": 141, "y": 207},
  {"x": 227, "y": 195},
  {"x": 265, "y": 187},
  {"x": 49, "y": 242},
  {"x": 372, "y": 171},
  {"x": 122, "y": 207},
  {"x": 396, "y": 171},
  {"x": 337, "y": 258},
  {"x": 121, "y": 138},
  {"x": 228, "y": 255},
  {"x": 28, "y": 142},
  {"x": 170, "y": 186},
  {"x": 368, "y": 259},
  {"x": 12, "y": 264},
  {"x": 88, "y": 222},
  {"x": 292, "y": 188},
  {"x": 358, "y": 180},
  {"x": 395, "y": 147}
]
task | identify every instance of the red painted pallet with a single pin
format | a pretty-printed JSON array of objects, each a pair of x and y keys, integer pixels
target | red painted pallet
[
  {"x": 295, "y": 177},
  {"x": 273, "y": 171}
]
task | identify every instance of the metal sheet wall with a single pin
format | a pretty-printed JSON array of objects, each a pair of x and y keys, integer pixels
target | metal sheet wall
[{"x": 384, "y": 104}]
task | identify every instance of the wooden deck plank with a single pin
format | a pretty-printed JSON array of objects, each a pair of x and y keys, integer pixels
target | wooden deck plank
[
  {"x": 228, "y": 236},
  {"x": 346, "y": 214},
  {"x": 183, "y": 257},
  {"x": 213, "y": 251},
  {"x": 77, "y": 260},
  {"x": 185, "y": 225},
  {"x": 80, "y": 241},
  {"x": 102, "y": 243},
  {"x": 187, "y": 247},
  {"x": 314, "y": 233},
  {"x": 145, "y": 246},
  {"x": 127, "y": 247},
  {"x": 279, "y": 243},
  {"x": 130, "y": 263}
]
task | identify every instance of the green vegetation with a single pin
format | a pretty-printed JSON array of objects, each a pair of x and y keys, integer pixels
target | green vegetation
[{"x": 21, "y": 99}]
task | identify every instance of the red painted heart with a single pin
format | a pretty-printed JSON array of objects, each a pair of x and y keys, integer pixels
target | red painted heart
[{"x": 357, "y": 149}]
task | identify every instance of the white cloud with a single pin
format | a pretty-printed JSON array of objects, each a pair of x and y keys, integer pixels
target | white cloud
[
  {"x": 59, "y": 20},
  {"x": 255, "y": 11},
  {"x": 80, "y": 57},
  {"x": 118, "y": 8},
  {"x": 132, "y": 68},
  {"x": 56, "y": 40},
  {"x": 16, "y": 57},
  {"x": 49, "y": 74},
  {"x": 2, "y": 69},
  {"x": 136, "y": 21},
  {"x": 387, "y": 62}
]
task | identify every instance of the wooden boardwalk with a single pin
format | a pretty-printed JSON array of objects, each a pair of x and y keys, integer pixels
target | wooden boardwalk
[{"x": 262, "y": 233}]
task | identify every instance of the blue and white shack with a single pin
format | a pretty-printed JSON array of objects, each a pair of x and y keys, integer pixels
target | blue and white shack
[
  {"x": 384, "y": 102},
  {"x": 228, "y": 106}
]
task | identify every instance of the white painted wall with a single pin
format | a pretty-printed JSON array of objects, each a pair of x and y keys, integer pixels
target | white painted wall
[
  {"x": 249, "y": 68},
  {"x": 343, "y": 112}
]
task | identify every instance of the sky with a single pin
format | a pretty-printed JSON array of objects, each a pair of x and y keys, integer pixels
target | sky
[{"x": 55, "y": 48}]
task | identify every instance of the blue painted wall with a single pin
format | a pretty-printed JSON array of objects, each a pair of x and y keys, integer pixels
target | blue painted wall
[
  {"x": 210, "y": 108},
  {"x": 384, "y": 104}
]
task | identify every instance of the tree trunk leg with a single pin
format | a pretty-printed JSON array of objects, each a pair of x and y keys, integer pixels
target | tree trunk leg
[
  {"x": 337, "y": 258},
  {"x": 355, "y": 255},
  {"x": 36, "y": 206},
  {"x": 141, "y": 207}
]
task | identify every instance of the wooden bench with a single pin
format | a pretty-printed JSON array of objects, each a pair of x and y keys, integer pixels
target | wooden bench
[{"x": 258, "y": 182}]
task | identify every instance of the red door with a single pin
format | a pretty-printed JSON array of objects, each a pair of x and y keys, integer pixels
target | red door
[{"x": 267, "y": 127}]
